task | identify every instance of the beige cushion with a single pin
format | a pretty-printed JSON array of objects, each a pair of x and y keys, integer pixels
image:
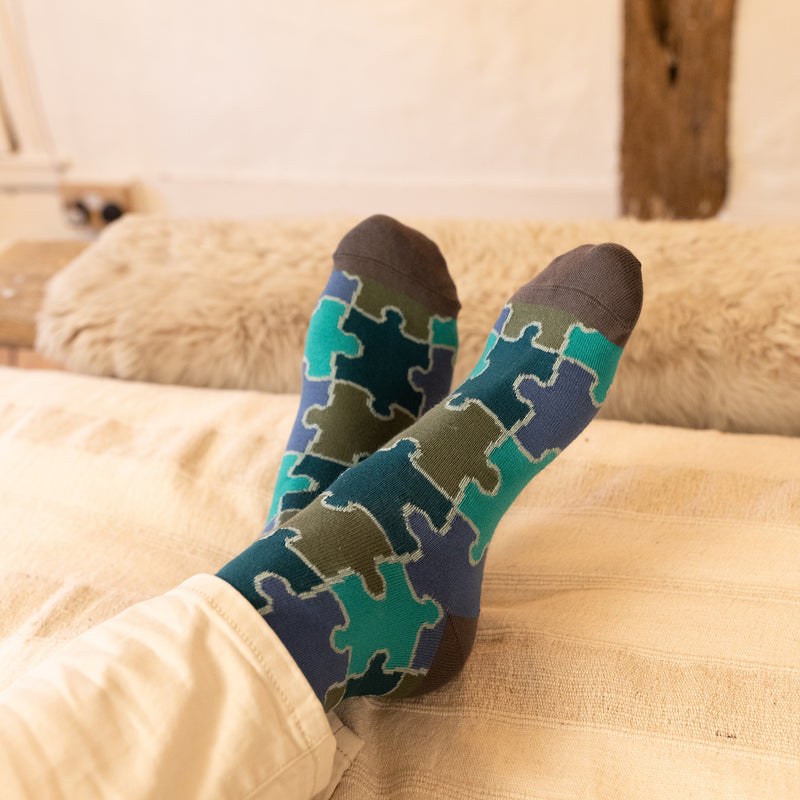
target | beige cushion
[
  {"x": 225, "y": 304},
  {"x": 640, "y": 613}
]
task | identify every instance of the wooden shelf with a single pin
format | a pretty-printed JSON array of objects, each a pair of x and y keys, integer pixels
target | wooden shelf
[{"x": 25, "y": 268}]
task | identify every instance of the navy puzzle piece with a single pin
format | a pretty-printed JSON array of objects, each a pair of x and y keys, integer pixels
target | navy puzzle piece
[
  {"x": 383, "y": 366},
  {"x": 321, "y": 470},
  {"x": 374, "y": 681},
  {"x": 434, "y": 382},
  {"x": 494, "y": 386},
  {"x": 401, "y": 483},
  {"x": 272, "y": 550}
]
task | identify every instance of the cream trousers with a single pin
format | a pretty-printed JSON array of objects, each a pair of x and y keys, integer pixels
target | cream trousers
[{"x": 187, "y": 695}]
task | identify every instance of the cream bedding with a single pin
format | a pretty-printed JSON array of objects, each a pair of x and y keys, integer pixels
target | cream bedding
[{"x": 640, "y": 634}]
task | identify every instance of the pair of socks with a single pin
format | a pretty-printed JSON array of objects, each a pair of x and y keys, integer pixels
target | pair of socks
[{"x": 370, "y": 567}]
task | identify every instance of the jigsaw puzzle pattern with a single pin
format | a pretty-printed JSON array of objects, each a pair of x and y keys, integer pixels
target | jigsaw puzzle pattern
[
  {"x": 396, "y": 545},
  {"x": 374, "y": 361}
]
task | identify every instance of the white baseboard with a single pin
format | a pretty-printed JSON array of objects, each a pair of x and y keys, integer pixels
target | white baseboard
[
  {"x": 34, "y": 214},
  {"x": 19, "y": 171},
  {"x": 765, "y": 197},
  {"x": 225, "y": 197}
]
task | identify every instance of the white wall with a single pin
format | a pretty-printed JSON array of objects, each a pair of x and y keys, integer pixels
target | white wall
[
  {"x": 765, "y": 112},
  {"x": 455, "y": 107},
  {"x": 496, "y": 107}
]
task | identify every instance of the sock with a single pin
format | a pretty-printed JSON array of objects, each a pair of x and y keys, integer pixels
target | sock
[
  {"x": 379, "y": 352},
  {"x": 375, "y": 587}
]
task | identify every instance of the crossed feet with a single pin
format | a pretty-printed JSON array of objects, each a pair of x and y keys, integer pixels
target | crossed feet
[{"x": 369, "y": 569}]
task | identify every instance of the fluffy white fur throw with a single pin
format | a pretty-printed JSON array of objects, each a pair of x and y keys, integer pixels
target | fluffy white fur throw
[{"x": 225, "y": 304}]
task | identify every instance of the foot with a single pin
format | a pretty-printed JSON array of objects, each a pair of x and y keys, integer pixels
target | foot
[
  {"x": 380, "y": 351},
  {"x": 375, "y": 587}
]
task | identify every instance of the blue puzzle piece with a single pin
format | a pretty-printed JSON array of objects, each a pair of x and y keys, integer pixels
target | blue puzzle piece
[
  {"x": 444, "y": 569},
  {"x": 309, "y": 643},
  {"x": 341, "y": 286},
  {"x": 501, "y": 320},
  {"x": 315, "y": 393},
  {"x": 561, "y": 410}
]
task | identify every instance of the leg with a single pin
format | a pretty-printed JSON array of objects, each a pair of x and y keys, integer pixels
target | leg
[
  {"x": 188, "y": 694},
  {"x": 379, "y": 352}
]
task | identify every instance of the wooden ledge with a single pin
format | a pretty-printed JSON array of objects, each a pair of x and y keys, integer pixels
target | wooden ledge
[{"x": 25, "y": 268}]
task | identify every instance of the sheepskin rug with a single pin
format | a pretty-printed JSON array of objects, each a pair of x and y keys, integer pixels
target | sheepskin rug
[{"x": 225, "y": 304}]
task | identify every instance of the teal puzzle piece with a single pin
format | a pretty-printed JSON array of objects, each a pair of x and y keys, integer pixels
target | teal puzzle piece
[
  {"x": 445, "y": 332},
  {"x": 485, "y": 511},
  {"x": 287, "y": 483},
  {"x": 483, "y": 361},
  {"x": 391, "y": 624},
  {"x": 595, "y": 352},
  {"x": 326, "y": 337}
]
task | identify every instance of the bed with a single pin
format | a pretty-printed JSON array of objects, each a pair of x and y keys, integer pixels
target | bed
[{"x": 640, "y": 631}]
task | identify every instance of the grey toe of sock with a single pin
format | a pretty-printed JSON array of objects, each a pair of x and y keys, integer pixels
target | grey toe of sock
[
  {"x": 601, "y": 284},
  {"x": 399, "y": 257}
]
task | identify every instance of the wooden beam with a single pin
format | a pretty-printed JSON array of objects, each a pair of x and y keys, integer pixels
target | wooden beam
[{"x": 676, "y": 75}]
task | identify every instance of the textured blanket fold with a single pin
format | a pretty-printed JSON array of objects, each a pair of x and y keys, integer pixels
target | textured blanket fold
[{"x": 639, "y": 614}]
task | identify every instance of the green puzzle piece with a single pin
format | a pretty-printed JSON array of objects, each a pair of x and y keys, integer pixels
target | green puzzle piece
[
  {"x": 469, "y": 431},
  {"x": 348, "y": 428},
  {"x": 553, "y": 324},
  {"x": 376, "y": 299},
  {"x": 391, "y": 624},
  {"x": 325, "y": 337}
]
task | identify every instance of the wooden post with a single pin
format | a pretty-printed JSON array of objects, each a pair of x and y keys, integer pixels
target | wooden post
[{"x": 676, "y": 74}]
